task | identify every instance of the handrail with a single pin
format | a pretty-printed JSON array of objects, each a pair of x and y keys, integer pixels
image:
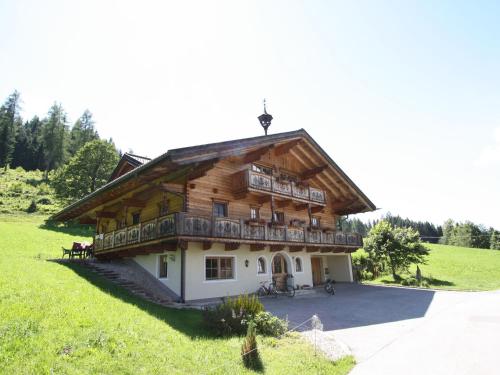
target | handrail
[{"x": 185, "y": 224}]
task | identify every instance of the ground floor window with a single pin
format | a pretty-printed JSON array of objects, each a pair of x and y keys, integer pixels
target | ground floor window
[
  {"x": 163, "y": 272},
  {"x": 219, "y": 268},
  {"x": 261, "y": 265},
  {"x": 298, "y": 264}
]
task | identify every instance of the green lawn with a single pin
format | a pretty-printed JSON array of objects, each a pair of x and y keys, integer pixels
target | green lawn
[
  {"x": 56, "y": 319},
  {"x": 460, "y": 268}
]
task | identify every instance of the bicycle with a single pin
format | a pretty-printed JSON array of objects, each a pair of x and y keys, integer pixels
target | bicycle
[
  {"x": 265, "y": 290},
  {"x": 329, "y": 288}
]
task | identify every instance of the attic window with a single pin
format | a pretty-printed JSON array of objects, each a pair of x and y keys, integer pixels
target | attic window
[{"x": 261, "y": 169}]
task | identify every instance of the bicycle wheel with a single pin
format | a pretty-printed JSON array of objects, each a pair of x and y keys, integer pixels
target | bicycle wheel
[
  {"x": 290, "y": 291},
  {"x": 329, "y": 288},
  {"x": 262, "y": 292},
  {"x": 273, "y": 291}
]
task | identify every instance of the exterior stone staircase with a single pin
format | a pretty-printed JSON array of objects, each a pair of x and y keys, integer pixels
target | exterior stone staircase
[{"x": 128, "y": 276}]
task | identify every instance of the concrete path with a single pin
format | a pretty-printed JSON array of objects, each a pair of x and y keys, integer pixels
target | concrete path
[{"x": 410, "y": 331}]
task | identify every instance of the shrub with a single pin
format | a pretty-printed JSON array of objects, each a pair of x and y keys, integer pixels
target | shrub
[
  {"x": 232, "y": 315},
  {"x": 16, "y": 188},
  {"x": 249, "y": 351},
  {"x": 269, "y": 325},
  {"x": 32, "y": 207},
  {"x": 44, "y": 200},
  {"x": 366, "y": 275}
]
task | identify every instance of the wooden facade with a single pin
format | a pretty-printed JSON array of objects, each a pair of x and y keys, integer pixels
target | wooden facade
[{"x": 268, "y": 192}]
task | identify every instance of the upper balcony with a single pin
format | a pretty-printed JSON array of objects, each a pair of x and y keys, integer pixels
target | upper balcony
[
  {"x": 251, "y": 181},
  {"x": 206, "y": 229}
]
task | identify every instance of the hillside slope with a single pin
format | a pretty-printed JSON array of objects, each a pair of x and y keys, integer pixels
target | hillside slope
[
  {"x": 18, "y": 188},
  {"x": 66, "y": 320}
]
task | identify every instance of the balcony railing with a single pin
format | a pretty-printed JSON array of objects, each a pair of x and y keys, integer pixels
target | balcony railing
[
  {"x": 249, "y": 179},
  {"x": 184, "y": 224}
]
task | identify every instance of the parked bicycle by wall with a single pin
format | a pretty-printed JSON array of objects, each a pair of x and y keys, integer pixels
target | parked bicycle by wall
[
  {"x": 329, "y": 287},
  {"x": 267, "y": 289}
]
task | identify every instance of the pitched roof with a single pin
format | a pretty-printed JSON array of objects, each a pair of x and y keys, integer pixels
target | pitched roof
[
  {"x": 181, "y": 157},
  {"x": 133, "y": 161}
]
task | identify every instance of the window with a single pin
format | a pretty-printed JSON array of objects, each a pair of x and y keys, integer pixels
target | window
[
  {"x": 136, "y": 218},
  {"x": 163, "y": 272},
  {"x": 261, "y": 265},
  {"x": 298, "y": 264},
  {"x": 163, "y": 207},
  {"x": 220, "y": 209},
  {"x": 279, "y": 217},
  {"x": 219, "y": 268},
  {"x": 315, "y": 222},
  {"x": 254, "y": 213},
  {"x": 262, "y": 169}
]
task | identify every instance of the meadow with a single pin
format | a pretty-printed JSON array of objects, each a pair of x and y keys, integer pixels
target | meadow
[
  {"x": 456, "y": 268},
  {"x": 59, "y": 319}
]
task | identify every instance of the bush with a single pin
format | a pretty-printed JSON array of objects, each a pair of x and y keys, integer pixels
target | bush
[
  {"x": 32, "y": 207},
  {"x": 232, "y": 315},
  {"x": 366, "y": 275},
  {"x": 269, "y": 325},
  {"x": 44, "y": 200},
  {"x": 249, "y": 351}
]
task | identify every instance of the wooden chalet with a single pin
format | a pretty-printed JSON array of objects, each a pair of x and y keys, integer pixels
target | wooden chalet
[{"x": 217, "y": 219}]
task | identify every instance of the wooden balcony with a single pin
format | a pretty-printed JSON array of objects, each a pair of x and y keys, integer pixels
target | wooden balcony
[
  {"x": 251, "y": 181},
  {"x": 222, "y": 229}
]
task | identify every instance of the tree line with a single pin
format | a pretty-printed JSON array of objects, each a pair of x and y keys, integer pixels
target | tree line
[
  {"x": 41, "y": 143},
  {"x": 465, "y": 234},
  {"x": 82, "y": 161}
]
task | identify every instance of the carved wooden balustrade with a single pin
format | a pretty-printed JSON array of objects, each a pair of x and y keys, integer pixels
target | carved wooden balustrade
[
  {"x": 248, "y": 179},
  {"x": 187, "y": 225}
]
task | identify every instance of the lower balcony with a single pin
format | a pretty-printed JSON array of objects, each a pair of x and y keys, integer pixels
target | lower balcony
[{"x": 186, "y": 227}]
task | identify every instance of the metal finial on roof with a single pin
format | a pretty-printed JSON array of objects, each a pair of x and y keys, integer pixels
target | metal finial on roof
[{"x": 265, "y": 119}]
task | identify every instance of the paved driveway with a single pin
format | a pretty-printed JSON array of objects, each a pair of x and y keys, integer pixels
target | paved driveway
[{"x": 397, "y": 330}]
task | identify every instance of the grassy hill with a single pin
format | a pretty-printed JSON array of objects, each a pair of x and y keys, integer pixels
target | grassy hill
[
  {"x": 460, "y": 268},
  {"x": 57, "y": 319},
  {"x": 18, "y": 188}
]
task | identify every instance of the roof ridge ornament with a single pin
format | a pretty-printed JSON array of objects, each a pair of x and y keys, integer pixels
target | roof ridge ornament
[{"x": 265, "y": 119}]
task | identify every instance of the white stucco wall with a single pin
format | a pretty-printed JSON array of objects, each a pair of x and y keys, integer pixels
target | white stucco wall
[
  {"x": 151, "y": 264},
  {"x": 246, "y": 280},
  {"x": 339, "y": 267}
]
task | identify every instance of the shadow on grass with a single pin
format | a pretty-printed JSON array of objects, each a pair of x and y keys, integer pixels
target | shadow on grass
[
  {"x": 72, "y": 229},
  {"x": 257, "y": 365},
  {"x": 187, "y": 321},
  {"x": 426, "y": 281}
]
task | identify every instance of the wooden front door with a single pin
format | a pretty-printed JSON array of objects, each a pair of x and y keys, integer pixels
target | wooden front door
[
  {"x": 316, "y": 270},
  {"x": 280, "y": 271}
]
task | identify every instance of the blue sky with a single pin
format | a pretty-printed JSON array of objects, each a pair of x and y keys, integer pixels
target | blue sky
[{"x": 404, "y": 95}]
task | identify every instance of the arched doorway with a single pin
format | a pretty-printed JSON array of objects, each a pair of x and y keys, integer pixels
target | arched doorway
[{"x": 280, "y": 268}]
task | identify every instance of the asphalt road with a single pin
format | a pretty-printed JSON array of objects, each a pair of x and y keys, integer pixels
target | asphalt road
[{"x": 411, "y": 331}]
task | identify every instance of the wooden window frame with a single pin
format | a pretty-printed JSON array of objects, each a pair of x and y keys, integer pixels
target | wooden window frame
[
  {"x": 263, "y": 167},
  {"x": 318, "y": 222},
  {"x": 160, "y": 263},
  {"x": 258, "y": 266},
  {"x": 275, "y": 217},
  {"x": 257, "y": 212},
  {"x": 220, "y": 269},
  {"x": 298, "y": 259},
  {"x": 225, "y": 203}
]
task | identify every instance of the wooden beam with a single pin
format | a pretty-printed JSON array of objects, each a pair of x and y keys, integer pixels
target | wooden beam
[
  {"x": 338, "y": 250},
  {"x": 297, "y": 248},
  {"x": 200, "y": 169},
  {"x": 131, "y": 202},
  {"x": 169, "y": 187},
  {"x": 312, "y": 249},
  {"x": 302, "y": 206},
  {"x": 264, "y": 199},
  {"x": 284, "y": 203},
  {"x": 207, "y": 245},
  {"x": 312, "y": 172},
  {"x": 257, "y": 247},
  {"x": 276, "y": 247},
  {"x": 326, "y": 250},
  {"x": 317, "y": 209},
  {"x": 183, "y": 245},
  {"x": 87, "y": 220},
  {"x": 105, "y": 214},
  {"x": 285, "y": 147},
  {"x": 256, "y": 154},
  {"x": 231, "y": 246}
]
